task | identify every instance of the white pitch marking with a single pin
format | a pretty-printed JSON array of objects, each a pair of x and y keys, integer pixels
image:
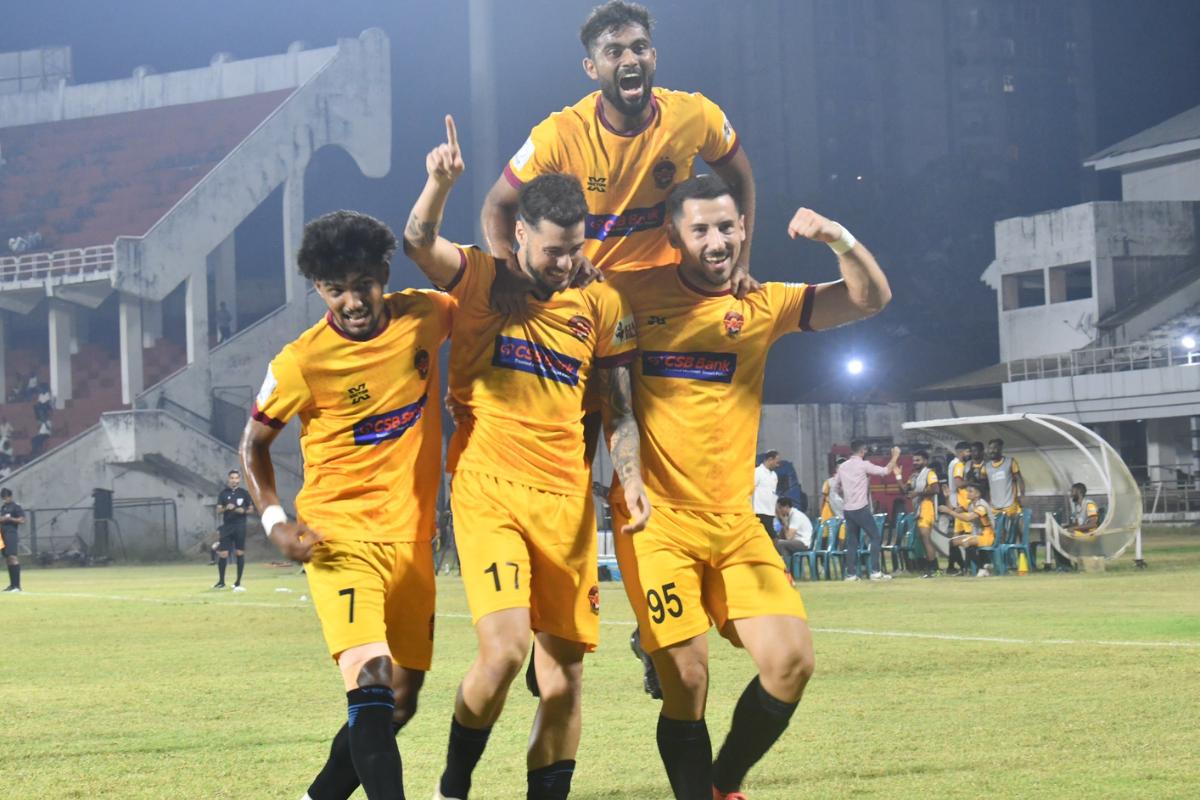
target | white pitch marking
[{"x": 948, "y": 637}]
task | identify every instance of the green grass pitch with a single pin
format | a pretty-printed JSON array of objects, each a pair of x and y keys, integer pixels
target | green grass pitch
[{"x": 139, "y": 682}]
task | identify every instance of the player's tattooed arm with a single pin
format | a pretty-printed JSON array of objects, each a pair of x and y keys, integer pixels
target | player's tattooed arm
[
  {"x": 439, "y": 259},
  {"x": 624, "y": 443}
]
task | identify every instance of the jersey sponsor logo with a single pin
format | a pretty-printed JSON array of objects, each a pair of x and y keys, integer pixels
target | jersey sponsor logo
[
  {"x": 525, "y": 356},
  {"x": 581, "y": 327},
  {"x": 626, "y": 330},
  {"x": 267, "y": 389},
  {"x": 522, "y": 156},
  {"x": 358, "y": 394},
  {"x": 597, "y": 184},
  {"x": 633, "y": 220},
  {"x": 421, "y": 363},
  {"x": 711, "y": 367},
  {"x": 733, "y": 323},
  {"x": 664, "y": 174},
  {"x": 390, "y": 424}
]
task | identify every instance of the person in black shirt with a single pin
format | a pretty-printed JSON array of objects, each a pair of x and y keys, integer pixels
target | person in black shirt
[
  {"x": 233, "y": 504},
  {"x": 11, "y": 515}
]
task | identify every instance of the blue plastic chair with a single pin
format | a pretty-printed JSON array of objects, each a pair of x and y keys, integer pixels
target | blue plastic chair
[
  {"x": 798, "y": 560},
  {"x": 1000, "y": 526},
  {"x": 864, "y": 546},
  {"x": 832, "y": 549},
  {"x": 1018, "y": 541},
  {"x": 893, "y": 540}
]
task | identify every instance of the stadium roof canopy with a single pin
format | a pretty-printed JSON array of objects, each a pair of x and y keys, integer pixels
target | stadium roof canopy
[
  {"x": 1054, "y": 453},
  {"x": 1169, "y": 139}
]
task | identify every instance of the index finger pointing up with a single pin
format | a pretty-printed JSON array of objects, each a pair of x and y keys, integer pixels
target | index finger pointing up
[{"x": 451, "y": 132}]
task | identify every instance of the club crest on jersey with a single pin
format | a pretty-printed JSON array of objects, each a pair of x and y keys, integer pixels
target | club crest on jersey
[
  {"x": 581, "y": 327},
  {"x": 664, "y": 174},
  {"x": 594, "y": 599},
  {"x": 525, "y": 356},
  {"x": 710, "y": 367},
  {"x": 388, "y": 425},
  {"x": 733, "y": 323},
  {"x": 421, "y": 363}
]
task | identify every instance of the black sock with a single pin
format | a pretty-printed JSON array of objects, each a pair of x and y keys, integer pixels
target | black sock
[
  {"x": 14, "y": 575},
  {"x": 758, "y": 721},
  {"x": 686, "y": 752},
  {"x": 337, "y": 780},
  {"x": 933, "y": 565},
  {"x": 241, "y": 565},
  {"x": 552, "y": 782},
  {"x": 374, "y": 753},
  {"x": 221, "y": 562},
  {"x": 466, "y": 746}
]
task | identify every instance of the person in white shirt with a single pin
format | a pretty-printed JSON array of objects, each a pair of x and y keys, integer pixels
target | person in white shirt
[
  {"x": 765, "y": 483},
  {"x": 795, "y": 529}
]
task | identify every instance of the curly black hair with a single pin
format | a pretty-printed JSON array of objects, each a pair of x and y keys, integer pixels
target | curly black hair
[
  {"x": 613, "y": 16},
  {"x": 341, "y": 242},
  {"x": 558, "y": 198}
]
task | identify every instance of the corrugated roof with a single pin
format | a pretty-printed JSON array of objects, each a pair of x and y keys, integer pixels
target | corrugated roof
[
  {"x": 1178, "y": 128},
  {"x": 84, "y": 182}
]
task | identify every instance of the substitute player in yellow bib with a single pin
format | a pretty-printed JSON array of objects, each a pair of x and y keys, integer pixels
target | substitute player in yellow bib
[
  {"x": 526, "y": 534},
  {"x": 923, "y": 491},
  {"x": 360, "y": 381},
  {"x": 702, "y": 558},
  {"x": 628, "y": 143},
  {"x": 978, "y": 514}
]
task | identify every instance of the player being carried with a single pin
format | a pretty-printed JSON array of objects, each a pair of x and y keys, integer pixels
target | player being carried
[
  {"x": 525, "y": 532},
  {"x": 702, "y": 556},
  {"x": 360, "y": 380}
]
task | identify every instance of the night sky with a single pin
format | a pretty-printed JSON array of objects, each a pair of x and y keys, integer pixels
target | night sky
[{"x": 1146, "y": 68}]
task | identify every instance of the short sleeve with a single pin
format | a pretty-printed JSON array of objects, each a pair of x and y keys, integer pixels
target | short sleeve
[
  {"x": 444, "y": 305},
  {"x": 616, "y": 339},
  {"x": 539, "y": 155},
  {"x": 933, "y": 478},
  {"x": 791, "y": 307},
  {"x": 720, "y": 139},
  {"x": 476, "y": 271},
  {"x": 1092, "y": 510},
  {"x": 1016, "y": 468},
  {"x": 284, "y": 392}
]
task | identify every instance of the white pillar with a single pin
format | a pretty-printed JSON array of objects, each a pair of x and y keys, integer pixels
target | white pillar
[
  {"x": 152, "y": 322},
  {"x": 81, "y": 328},
  {"x": 3, "y": 356},
  {"x": 223, "y": 259},
  {"x": 196, "y": 314},
  {"x": 293, "y": 231},
  {"x": 131, "y": 334},
  {"x": 60, "y": 352}
]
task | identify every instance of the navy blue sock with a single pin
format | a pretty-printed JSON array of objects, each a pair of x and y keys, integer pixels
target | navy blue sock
[
  {"x": 463, "y": 753},
  {"x": 759, "y": 719},
  {"x": 221, "y": 562},
  {"x": 686, "y": 751},
  {"x": 337, "y": 780},
  {"x": 552, "y": 782},
  {"x": 241, "y": 565},
  {"x": 373, "y": 750}
]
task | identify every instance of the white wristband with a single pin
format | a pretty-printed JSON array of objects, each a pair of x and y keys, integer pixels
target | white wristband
[
  {"x": 272, "y": 516},
  {"x": 844, "y": 242}
]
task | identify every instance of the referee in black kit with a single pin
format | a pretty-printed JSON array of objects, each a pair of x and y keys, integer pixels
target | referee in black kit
[
  {"x": 11, "y": 516},
  {"x": 233, "y": 504}
]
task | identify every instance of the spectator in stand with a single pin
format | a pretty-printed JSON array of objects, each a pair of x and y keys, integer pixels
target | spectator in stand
[
  {"x": 6, "y": 430},
  {"x": 224, "y": 322},
  {"x": 853, "y": 482},
  {"x": 43, "y": 404},
  {"x": 1085, "y": 515},
  {"x": 983, "y": 534},
  {"x": 765, "y": 483},
  {"x": 40, "y": 438},
  {"x": 795, "y": 529},
  {"x": 31, "y": 387},
  {"x": 11, "y": 516}
]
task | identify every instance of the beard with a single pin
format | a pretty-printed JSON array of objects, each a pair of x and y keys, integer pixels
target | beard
[{"x": 612, "y": 95}]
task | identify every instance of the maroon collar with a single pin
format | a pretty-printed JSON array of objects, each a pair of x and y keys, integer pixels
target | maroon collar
[
  {"x": 639, "y": 129},
  {"x": 387, "y": 321},
  {"x": 694, "y": 288}
]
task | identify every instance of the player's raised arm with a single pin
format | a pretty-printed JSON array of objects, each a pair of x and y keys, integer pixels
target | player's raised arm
[
  {"x": 624, "y": 442},
  {"x": 438, "y": 259},
  {"x": 863, "y": 290},
  {"x": 736, "y": 172},
  {"x": 294, "y": 539},
  {"x": 499, "y": 218}
]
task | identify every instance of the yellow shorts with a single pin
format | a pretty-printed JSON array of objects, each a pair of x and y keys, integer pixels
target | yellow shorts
[
  {"x": 521, "y": 547},
  {"x": 961, "y": 527},
  {"x": 689, "y": 567},
  {"x": 1010, "y": 511},
  {"x": 926, "y": 514},
  {"x": 366, "y": 592}
]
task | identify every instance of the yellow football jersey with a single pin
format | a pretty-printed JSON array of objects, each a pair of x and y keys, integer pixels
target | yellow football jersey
[
  {"x": 698, "y": 382},
  {"x": 960, "y": 475},
  {"x": 523, "y": 377},
  {"x": 371, "y": 431},
  {"x": 627, "y": 176}
]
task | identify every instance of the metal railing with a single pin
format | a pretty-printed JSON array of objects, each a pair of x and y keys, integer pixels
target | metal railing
[
  {"x": 1170, "y": 497},
  {"x": 1099, "y": 360},
  {"x": 77, "y": 261},
  {"x": 141, "y": 529}
]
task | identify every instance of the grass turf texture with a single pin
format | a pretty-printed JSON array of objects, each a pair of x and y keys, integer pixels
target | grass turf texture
[{"x": 139, "y": 682}]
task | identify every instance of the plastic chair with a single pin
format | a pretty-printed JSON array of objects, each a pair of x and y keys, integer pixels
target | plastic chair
[
  {"x": 893, "y": 538},
  {"x": 1018, "y": 540},
  {"x": 1000, "y": 526},
  {"x": 864, "y": 546},
  {"x": 832, "y": 549},
  {"x": 798, "y": 560}
]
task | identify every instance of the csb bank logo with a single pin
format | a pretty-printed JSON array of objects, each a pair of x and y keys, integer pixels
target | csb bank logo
[
  {"x": 390, "y": 424},
  {"x": 711, "y": 367},
  {"x": 536, "y": 359}
]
